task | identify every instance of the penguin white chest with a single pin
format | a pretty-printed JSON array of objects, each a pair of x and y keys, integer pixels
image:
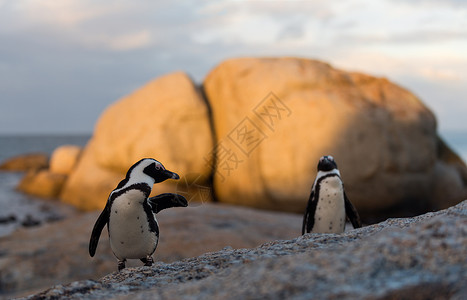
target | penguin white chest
[
  {"x": 330, "y": 210},
  {"x": 129, "y": 232}
]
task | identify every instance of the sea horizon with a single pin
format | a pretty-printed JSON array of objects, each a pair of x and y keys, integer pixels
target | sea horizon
[{"x": 455, "y": 138}]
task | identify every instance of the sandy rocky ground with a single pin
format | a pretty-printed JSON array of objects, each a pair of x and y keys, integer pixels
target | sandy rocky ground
[
  {"x": 412, "y": 258},
  {"x": 35, "y": 258}
]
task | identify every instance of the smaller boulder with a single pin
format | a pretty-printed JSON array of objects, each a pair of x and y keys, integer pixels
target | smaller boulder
[
  {"x": 7, "y": 219},
  {"x": 26, "y": 162},
  {"x": 30, "y": 221},
  {"x": 64, "y": 159},
  {"x": 42, "y": 183}
]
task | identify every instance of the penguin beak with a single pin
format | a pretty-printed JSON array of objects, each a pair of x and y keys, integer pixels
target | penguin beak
[
  {"x": 171, "y": 175},
  {"x": 326, "y": 163}
]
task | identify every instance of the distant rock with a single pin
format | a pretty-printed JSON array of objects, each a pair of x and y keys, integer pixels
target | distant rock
[
  {"x": 417, "y": 258},
  {"x": 8, "y": 219},
  {"x": 42, "y": 183},
  {"x": 89, "y": 185},
  {"x": 38, "y": 257},
  {"x": 47, "y": 180},
  {"x": 64, "y": 159},
  {"x": 26, "y": 162},
  {"x": 275, "y": 117},
  {"x": 30, "y": 221},
  {"x": 167, "y": 119}
]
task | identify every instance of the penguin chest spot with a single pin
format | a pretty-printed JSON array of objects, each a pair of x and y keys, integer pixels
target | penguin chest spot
[
  {"x": 129, "y": 230},
  {"x": 330, "y": 211}
]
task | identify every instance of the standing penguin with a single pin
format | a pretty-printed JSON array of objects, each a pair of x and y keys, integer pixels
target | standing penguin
[
  {"x": 130, "y": 215},
  {"x": 328, "y": 204}
]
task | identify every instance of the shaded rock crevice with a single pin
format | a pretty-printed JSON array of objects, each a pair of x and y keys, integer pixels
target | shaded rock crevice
[{"x": 212, "y": 159}]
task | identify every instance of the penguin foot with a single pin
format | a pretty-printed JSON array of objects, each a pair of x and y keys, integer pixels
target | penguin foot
[
  {"x": 148, "y": 261},
  {"x": 121, "y": 264}
]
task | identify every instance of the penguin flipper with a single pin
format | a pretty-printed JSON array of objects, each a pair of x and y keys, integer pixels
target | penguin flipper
[
  {"x": 96, "y": 231},
  {"x": 166, "y": 200},
  {"x": 352, "y": 213},
  {"x": 309, "y": 217}
]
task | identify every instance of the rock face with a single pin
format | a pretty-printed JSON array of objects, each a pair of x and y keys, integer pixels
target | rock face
[
  {"x": 42, "y": 183},
  {"x": 64, "y": 159},
  {"x": 26, "y": 162},
  {"x": 39, "y": 257},
  {"x": 89, "y": 185},
  {"x": 274, "y": 118},
  {"x": 416, "y": 258},
  {"x": 46, "y": 179},
  {"x": 166, "y": 119}
]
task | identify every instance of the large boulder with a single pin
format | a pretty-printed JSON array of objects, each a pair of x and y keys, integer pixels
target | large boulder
[
  {"x": 167, "y": 119},
  {"x": 275, "y": 117},
  {"x": 413, "y": 258}
]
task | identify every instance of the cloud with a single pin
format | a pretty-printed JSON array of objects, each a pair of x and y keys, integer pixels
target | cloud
[
  {"x": 294, "y": 30},
  {"x": 438, "y": 3},
  {"x": 440, "y": 74},
  {"x": 64, "y": 13},
  {"x": 262, "y": 22},
  {"x": 103, "y": 25},
  {"x": 121, "y": 42},
  {"x": 91, "y": 53},
  {"x": 131, "y": 41},
  {"x": 410, "y": 37}
]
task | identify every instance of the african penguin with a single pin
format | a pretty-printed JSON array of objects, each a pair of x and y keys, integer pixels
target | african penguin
[
  {"x": 130, "y": 214},
  {"x": 328, "y": 205}
]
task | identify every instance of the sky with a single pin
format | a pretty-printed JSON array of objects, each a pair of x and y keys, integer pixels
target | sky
[{"x": 63, "y": 62}]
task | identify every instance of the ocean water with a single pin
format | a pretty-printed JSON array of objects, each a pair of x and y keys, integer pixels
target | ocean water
[
  {"x": 457, "y": 140},
  {"x": 21, "y": 144},
  {"x": 17, "y": 208}
]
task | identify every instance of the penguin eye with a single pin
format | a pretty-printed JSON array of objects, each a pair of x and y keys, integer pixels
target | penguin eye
[
  {"x": 330, "y": 158},
  {"x": 159, "y": 167}
]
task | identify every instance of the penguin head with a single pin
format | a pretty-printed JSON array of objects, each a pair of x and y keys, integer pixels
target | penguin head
[
  {"x": 150, "y": 171},
  {"x": 327, "y": 163}
]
